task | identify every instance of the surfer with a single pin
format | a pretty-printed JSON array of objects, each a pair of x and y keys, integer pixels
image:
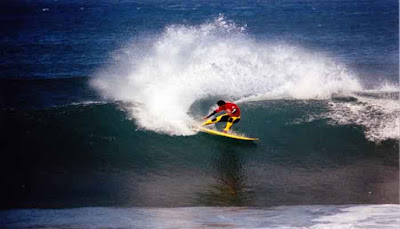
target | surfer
[{"x": 231, "y": 116}]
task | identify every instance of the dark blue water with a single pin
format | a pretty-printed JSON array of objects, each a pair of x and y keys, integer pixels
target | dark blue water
[
  {"x": 317, "y": 82},
  {"x": 54, "y": 39}
]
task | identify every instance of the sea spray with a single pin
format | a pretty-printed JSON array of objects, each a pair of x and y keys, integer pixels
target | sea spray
[
  {"x": 166, "y": 75},
  {"x": 377, "y": 111}
]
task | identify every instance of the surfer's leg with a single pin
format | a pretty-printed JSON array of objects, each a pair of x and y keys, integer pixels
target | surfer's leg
[
  {"x": 221, "y": 118},
  {"x": 230, "y": 122}
]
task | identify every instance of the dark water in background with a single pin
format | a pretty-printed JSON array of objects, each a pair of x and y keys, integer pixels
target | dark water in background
[
  {"x": 53, "y": 39},
  {"x": 64, "y": 146}
]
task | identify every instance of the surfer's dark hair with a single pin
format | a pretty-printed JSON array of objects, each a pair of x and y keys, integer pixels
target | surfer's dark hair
[{"x": 221, "y": 102}]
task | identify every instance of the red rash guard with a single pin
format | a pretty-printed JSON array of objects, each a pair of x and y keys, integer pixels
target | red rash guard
[{"x": 229, "y": 108}]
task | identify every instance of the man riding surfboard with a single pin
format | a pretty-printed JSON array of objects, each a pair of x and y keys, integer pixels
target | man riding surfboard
[{"x": 231, "y": 116}]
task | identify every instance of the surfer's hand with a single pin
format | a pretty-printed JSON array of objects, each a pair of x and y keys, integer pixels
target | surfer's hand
[{"x": 205, "y": 117}]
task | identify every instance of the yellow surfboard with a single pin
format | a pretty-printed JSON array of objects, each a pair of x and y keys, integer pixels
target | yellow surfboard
[{"x": 219, "y": 133}]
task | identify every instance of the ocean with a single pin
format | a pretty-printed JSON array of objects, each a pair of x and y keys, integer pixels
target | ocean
[{"x": 99, "y": 101}]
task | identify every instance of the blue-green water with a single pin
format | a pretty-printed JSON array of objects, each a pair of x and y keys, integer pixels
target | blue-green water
[{"x": 92, "y": 155}]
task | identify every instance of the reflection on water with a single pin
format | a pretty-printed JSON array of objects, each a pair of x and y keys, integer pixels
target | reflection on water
[{"x": 230, "y": 188}]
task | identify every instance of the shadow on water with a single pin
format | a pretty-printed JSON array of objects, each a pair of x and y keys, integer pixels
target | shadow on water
[{"x": 230, "y": 187}]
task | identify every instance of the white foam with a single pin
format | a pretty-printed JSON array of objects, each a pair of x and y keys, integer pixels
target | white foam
[
  {"x": 368, "y": 216},
  {"x": 281, "y": 217},
  {"x": 378, "y": 111},
  {"x": 188, "y": 63}
]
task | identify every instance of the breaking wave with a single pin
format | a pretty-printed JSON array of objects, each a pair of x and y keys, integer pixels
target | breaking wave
[{"x": 162, "y": 76}]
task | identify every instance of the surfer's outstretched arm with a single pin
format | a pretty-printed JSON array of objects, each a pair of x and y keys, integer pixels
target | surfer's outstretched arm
[
  {"x": 213, "y": 113},
  {"x": 209, "y": 121}
]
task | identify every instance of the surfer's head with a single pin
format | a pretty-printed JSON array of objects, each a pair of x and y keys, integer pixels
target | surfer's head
[{"x": 221, "y": 103}]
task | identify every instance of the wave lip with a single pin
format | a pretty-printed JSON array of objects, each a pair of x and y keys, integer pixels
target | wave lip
[{"x": 216, "y": 59}]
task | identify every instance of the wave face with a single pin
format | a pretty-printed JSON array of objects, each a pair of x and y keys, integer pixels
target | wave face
[{"x": 162, "y": 78}]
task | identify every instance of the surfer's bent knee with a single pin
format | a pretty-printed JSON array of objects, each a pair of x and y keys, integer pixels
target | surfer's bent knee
[{"x": 234, "y": 119}]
